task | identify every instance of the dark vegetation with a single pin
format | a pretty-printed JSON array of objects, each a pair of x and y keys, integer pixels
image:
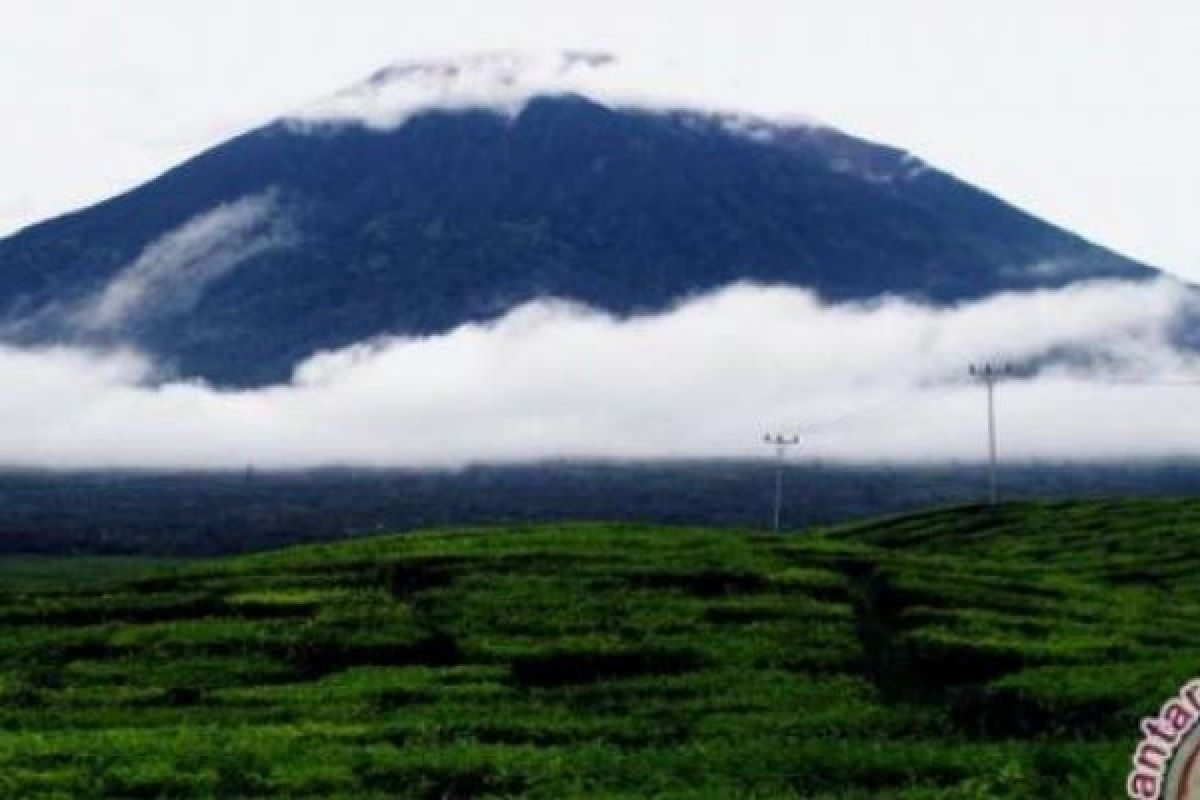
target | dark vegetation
[
  {"x": 172, "y": 514},
  {"x": 456, "y": 217},
  {"x": 963, "y": 653}
]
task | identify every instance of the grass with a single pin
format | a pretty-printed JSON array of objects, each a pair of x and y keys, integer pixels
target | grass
[{"x": 963, "y": 653}]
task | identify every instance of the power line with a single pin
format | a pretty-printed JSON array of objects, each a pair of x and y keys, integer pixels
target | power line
[
  {"x": 1118, "y": 381},
  {"x": 781, "y": 442},
  {"x": 889, "y": 404},
  {"x": 989, "y": 374}
]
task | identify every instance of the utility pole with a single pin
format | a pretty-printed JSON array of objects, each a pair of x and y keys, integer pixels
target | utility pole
[
  {"x": 781, "y": 444},
  {"x": 990, "y": 374}
]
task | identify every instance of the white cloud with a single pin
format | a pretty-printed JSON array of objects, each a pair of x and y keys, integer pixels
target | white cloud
[
  {"x": 705, "y": 379},
  {"x": 171, "y": 273},
  {"x": 498, "y": 81},
  {"x": 505, "y": 81}
]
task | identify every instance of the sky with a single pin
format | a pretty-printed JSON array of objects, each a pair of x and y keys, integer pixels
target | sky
[{"x": 1082, "y": 112}]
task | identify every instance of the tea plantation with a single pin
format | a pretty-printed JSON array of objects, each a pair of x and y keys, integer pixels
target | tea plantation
[{"x": 961, "y": 653}]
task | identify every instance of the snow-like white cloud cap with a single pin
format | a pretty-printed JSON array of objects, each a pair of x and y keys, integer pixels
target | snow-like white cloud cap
[{"x": 505, "y": 81}]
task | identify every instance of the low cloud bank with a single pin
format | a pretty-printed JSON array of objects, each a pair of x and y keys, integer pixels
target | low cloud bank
[{"x": 884, "y": 381}]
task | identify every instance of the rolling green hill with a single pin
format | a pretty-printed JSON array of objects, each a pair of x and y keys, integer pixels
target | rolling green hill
[{"x": 960, "y": 653}]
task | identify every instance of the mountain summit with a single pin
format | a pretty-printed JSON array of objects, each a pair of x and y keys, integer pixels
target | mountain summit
[
  {"x": 440, "y": 193},
  {"x": 502, "y": 82}
]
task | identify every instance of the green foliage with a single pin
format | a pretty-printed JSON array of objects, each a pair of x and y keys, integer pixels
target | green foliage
[{"x": 955, "y": 654}]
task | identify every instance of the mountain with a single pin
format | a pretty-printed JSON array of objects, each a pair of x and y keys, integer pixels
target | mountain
[{"x": 436, "y": 194}]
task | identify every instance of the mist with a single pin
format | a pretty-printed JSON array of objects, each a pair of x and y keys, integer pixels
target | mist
[
  {"x": 172, "y": 272},
  {"x": 1102, "y": 379}
]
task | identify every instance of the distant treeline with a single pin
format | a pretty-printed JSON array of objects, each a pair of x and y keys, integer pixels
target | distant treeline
[{"x": 197, "y": 513}]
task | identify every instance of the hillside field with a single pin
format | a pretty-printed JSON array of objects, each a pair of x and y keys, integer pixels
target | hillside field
[{"x": 958, "y": 653}]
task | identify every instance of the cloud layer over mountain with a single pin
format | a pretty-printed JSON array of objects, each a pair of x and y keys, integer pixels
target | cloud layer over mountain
[{"x": 885, "y": 380}]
